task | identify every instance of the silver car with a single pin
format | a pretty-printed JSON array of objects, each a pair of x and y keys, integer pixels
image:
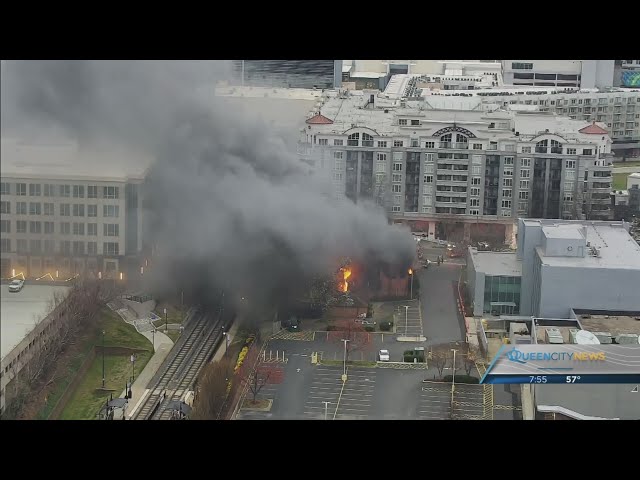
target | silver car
[{"x": 16, "y": 285}]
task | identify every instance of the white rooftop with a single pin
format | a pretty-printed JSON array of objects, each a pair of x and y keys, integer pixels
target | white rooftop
[
  {"x": 497, "y": 263},
  {"x": 65, "y": 160},
  {"x": 562, "y": 231},
  {"x": 346, "y": 111},
  {"x": 268, "y": 92},
  {"x": 368, "y": 75},
  {"x": 22, "y": 311},
  {"x": 617, "y": 248}
]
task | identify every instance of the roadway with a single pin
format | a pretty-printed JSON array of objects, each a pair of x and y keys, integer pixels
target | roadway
[{"x": 442, "y": 323}]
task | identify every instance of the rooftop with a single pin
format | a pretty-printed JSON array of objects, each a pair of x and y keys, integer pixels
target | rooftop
[
  {"x": 66, "y": 160},
  {"x": 614, "y": 324},
  {"x": 599, "y": 401},
  {"x": 616, "y": 247},
  {"x": 22, "y": 311},
  {"x": 541, "y": 334},
  {"x": 496, "y": 263},
  {"x": 352, "y": 109}
]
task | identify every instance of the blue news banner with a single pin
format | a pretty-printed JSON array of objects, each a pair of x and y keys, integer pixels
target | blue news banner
[{"x": 565, "y": 364}]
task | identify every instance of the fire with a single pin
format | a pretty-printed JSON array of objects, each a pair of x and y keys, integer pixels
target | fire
[
  {"x": 346, "y": 273},
  {"x": 410, "y": 271}
]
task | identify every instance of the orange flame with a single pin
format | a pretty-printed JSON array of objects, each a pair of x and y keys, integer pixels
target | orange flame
[
  {"x": 410, "y": 271},
  {"x": 346, "y": 273}
]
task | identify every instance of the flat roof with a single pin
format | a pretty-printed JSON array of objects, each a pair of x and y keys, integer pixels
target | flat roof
[
  {"x": 602, "y": 401},
  {"x": 66, "y": 160},
  {"x": 497, "y": 263},
  {"x": 23, "y": 310},
  {"x": 367, "y": 75},
  {"x": 617, "y": 249},
  {"x": 614, "y": 324},
  {"x": 562, "y": 231},
  {"x": 541, "y": 335}
]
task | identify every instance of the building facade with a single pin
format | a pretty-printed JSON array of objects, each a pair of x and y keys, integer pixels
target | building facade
[
  {"x": 618, "y": 111},
  {"x": 288, "y": 73},
  {"x": 560, "y": 266},
  {"x": 559, "y": 73},
  {"x": 70, "y": 220},
  {"x": 471, "y": 166}
]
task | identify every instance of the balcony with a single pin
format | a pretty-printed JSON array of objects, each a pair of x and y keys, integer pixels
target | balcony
[
  {"x": 556, "y": 149},
  {"x": 456, "y": 145},
  {"x": 493, "y": 147},
  {"x": 541, "y": 149}
]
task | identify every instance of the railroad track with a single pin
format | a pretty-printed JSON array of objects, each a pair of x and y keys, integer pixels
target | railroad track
[{"x": 181, "y": 369}]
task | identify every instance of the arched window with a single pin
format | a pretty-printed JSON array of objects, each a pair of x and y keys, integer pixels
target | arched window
[
  {"x": 462, "y": 141},
  {"x": 353, "y": 139},
  {"x": 541, "y": 146},
  {"x": 445, "y": 141},
  {"x": 367, "y": 140},
  {"x": 556, "y": 146}
]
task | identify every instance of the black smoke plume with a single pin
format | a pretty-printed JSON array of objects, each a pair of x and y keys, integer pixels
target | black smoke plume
[{"x": 227, "y": 205}]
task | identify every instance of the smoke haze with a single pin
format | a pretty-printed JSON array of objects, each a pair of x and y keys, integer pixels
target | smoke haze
[{"x": 227, "y": 203}]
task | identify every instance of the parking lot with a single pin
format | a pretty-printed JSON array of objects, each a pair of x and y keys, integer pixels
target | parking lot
[
  {"x": 353, "y": 402},
  {"x": 435, "y": 402},
  {"x": 409, "y": 320}
]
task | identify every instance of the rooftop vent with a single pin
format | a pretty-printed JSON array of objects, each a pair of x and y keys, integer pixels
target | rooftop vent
[
  {"x": 604, "y": 337},
  {"x": 553, "y": 336}
]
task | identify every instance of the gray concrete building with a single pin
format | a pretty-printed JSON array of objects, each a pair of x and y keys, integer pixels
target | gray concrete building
[
  {"x": 68, "y": 210},
  {"x": 558, "y": 266}
]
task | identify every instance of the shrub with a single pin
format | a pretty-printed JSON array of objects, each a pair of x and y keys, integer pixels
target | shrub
[
  {"x": 370, "y": 328},
  {"x": 461, "y": 379},
  {"x": 386, "y": 326},
  {"x": 241, "y": 357}
]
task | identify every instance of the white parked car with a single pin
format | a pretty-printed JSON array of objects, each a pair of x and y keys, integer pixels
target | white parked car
[
  {"x": 383, "y": 355},
  {"x": 16, "y": 285}
]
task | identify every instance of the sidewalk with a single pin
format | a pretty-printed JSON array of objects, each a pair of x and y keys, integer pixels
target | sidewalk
[
  {"x": 162, "y": 347},
  {"x": 222, "y": 349}
]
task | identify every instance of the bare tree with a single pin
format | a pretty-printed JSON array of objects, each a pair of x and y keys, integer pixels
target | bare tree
[
  {"x": 261, "y": 375},
  {"x": 68, "y": 316},
  {"x": 213, "y": 389},
  {"x": 470, "y": 359},
  {"x": 439, "y": 358},
  {"x": 355, "y": 332}
]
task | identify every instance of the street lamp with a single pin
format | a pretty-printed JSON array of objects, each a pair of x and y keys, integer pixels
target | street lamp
[
  {"x": 326, "y": 406},
  {"x": 166, "y": 320},
  {"x": 411, "y": 273},
  {"x": 344, "y": 372},
  {"x": 133, "y": 368},
  {"x": 103, "y": 334},
  {"x": 153, "y": 337},
  {"x": 406, "y": 319},
  {"x": 224, "y": 337}
]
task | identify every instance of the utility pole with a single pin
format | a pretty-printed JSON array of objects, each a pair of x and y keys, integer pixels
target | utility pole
[
  {"x": 344, "y": 371},
  {"x": 453, "y": 383},
  {"x": 103, "y": 334},
  {"x": 411, "y": 275},
  {"x": 406, "y": 319}
]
